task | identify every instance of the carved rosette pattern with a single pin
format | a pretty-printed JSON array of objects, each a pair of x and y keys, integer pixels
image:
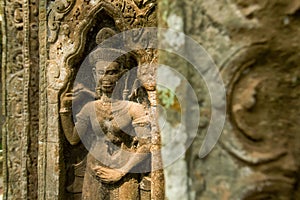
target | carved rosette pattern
[
  {"x": 260, "y": 133},
  {"x": 20, "y": 69}
]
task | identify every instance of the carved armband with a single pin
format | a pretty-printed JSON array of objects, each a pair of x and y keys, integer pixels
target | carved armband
[
  {"x": 142, "y": 128},
  {"x": 141, "y": 122}
]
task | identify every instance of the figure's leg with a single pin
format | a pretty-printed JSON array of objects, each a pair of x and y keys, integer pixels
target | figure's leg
[{"x": 92, "y": 189}]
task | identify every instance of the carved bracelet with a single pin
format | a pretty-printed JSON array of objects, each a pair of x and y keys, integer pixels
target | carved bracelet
[{"x": 64, "y": 110}]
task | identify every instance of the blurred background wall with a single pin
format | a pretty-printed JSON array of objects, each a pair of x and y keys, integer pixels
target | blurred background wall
[{"x": 255, "y": 46}]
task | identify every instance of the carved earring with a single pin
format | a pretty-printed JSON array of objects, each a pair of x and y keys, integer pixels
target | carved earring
[{"x": 98, "y": 92}]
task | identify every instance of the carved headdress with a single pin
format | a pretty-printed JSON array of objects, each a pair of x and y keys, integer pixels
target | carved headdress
[
  {"x": 110, "y": 49},
  {"x": 109, "y": 55}
]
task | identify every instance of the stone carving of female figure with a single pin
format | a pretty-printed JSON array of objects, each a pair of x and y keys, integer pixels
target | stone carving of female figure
[{"x": 118, "y": 157}]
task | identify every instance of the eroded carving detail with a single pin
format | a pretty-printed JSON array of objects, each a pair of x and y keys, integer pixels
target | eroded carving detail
[
  {"x": 17, "y": 61},
  {"x": 261, "y": 129},
  {"x": 57, "y": 12},
  {"x": 127, "y": 13},
  {"x": 21, "y": 87}
]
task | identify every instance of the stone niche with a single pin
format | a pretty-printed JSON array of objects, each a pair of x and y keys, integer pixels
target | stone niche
[{"x": 48, "y": 43}]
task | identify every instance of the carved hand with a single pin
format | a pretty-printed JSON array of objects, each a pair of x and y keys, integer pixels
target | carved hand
[
  {"x": 76, "y": 96},
  {"x": 66, "y": 102},
  {"x": 108, "y": 175}
]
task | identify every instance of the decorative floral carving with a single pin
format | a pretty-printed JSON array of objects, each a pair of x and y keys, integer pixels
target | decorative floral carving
[
  {"x": 57, "y": 12},
  {"x": 13, "y": 65},
  {"x": 17, "y": 13},
  {"x": 21, "y": 97},
  {"x": 17, "y": 59},
  {"x": 134, "y": 13}
]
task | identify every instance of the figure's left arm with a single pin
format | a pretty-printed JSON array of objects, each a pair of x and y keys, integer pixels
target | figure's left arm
[
  {"x": 141, "y": 125},
  {"x": 142, "y": 145}
]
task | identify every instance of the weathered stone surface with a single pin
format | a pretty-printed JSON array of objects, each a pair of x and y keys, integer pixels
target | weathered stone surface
[
  {"x": 255, "y": 47},
  {"x": 20, "y": 79},
  {"x": 73, "y": 29},
  {"x": 45, "y": 44}
]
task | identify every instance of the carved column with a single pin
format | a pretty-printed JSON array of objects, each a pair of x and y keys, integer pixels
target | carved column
[{"x": 20, "y": 95}]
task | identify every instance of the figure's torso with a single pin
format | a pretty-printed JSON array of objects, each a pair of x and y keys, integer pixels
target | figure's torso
[{"x": 112, "y": 126}]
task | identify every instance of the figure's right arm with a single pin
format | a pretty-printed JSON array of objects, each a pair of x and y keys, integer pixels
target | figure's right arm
[
  {"x": 77, "y": 96},
  {"x": 69, "y": 128},
  {"x": 73, "y": 131},
  {"x": 67, "y": 120}
]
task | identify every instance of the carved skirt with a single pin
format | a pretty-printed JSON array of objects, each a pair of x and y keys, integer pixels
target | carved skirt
[
  {"x": 127, "y": 188},
  {"x": 93, "y": 189}
]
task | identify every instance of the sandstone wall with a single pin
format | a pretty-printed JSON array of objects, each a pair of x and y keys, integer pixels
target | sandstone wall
[{"x": 255, "y": 46}]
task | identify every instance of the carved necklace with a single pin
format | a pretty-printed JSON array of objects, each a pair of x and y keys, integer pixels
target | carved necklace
[
  {"x": 104, "y": 109},
  {"x": 106, "y": 100}
]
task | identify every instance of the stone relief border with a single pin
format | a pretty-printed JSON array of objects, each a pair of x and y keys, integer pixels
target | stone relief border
[
  {"x": 14, "y": 118},
  {"x": 19, "y": 64},
  {"x": 42, "y": 157}
]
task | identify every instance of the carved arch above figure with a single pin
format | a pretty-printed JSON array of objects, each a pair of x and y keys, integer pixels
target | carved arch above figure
[
  {"x": 126, "y": 13},
  {"x": 71, "y": 23}
]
